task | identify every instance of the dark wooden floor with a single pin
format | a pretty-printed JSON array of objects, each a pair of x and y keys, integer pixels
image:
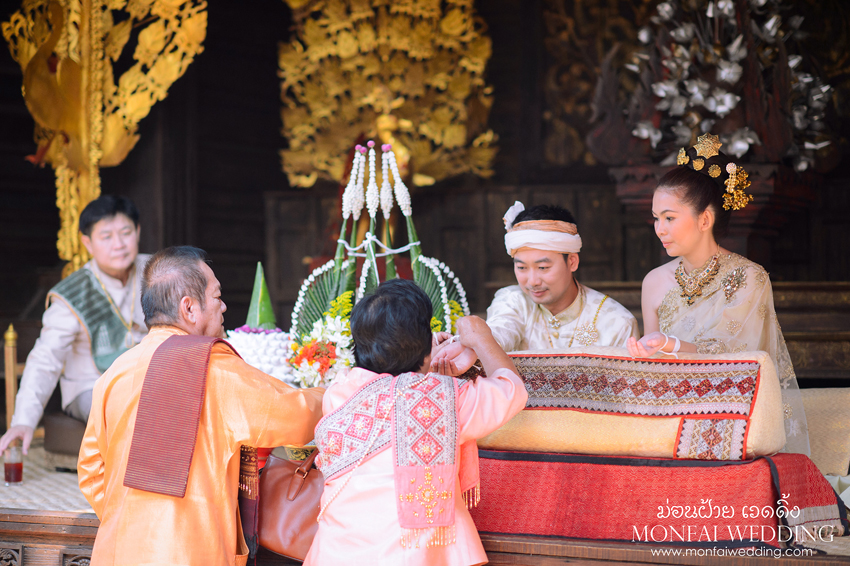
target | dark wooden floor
[
  {"x": 43, "y": 537},
  {"x": 508, "y": 550}
]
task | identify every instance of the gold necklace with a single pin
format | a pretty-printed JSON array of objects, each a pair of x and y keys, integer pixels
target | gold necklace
[
  {"x": 128, "y": 341},
  {"x": 553, "y": 320},
  {"x": 692, "y": 284}
]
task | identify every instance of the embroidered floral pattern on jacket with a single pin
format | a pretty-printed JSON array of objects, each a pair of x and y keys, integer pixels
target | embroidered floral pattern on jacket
[
  {"x": 736, "y": 279},
  {"x": 364, "y": 424}
]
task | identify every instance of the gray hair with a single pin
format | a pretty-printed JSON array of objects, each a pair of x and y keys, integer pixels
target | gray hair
[{"x": 170, "y": 275}]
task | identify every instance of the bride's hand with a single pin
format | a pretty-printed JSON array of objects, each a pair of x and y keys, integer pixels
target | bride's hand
[{"x": 646, "y": 346}]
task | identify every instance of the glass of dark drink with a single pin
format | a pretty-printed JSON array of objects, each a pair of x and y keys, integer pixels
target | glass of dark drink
[{"x": 13, "y": 465}]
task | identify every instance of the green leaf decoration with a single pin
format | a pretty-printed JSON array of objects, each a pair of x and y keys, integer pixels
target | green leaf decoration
[
  {"x": 318, "y": 297},
  {"x": 429, "y": 282},
  {"x": 260, "y": 311}
]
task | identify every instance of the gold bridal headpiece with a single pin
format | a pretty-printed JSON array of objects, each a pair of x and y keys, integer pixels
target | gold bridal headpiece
[{"x": 705, "y": 158}]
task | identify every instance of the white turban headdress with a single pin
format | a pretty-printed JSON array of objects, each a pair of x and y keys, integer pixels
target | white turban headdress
[{"x": 547, "y": 235}]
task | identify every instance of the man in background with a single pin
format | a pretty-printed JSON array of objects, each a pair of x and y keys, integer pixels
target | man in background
[{"x": 93, "y": 316}]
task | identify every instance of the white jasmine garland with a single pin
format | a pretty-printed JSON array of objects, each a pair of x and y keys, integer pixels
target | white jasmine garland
[
  {"x": 458, "y": 286},
  {"x": 386, "y": 188},
  {"x": 266, "y": 350},
  {"x": 364, "y": 273},
  {"x": 357, "y": 198},
  {"x": 348, "y": 194},
  {"x": 372, "y": 194},
  {"x": 402, "y": 195}
]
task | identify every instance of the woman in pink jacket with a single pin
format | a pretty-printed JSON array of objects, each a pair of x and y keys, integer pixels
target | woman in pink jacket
[{"x": 397, "y": 444}]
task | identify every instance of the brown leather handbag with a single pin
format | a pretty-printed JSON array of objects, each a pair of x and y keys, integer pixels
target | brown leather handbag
[{"x": 290, "y": 495}]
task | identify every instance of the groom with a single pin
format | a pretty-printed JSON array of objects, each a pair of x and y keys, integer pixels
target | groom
[{"x": 548, "y": 308}]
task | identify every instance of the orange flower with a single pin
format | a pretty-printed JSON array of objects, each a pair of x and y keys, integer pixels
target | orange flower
[{"x": 314, "y": 351}]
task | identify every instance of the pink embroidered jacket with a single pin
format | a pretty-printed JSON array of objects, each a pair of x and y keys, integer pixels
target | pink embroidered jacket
[{"x": 361, "y": 525}]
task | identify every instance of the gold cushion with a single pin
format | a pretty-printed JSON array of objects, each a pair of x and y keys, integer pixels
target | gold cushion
[
  {"x": 828, "y": 416},
  {"x": 581, "y": 431}
]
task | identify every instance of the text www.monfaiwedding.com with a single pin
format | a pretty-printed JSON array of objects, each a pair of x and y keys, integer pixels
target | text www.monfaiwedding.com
[{"x": 730, "y": 552}]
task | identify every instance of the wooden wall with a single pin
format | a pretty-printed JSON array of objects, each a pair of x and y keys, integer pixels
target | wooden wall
[{"x": 208, "y": 154}]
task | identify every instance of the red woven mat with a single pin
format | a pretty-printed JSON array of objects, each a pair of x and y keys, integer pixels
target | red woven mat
[{"x": 718, "y": 504}]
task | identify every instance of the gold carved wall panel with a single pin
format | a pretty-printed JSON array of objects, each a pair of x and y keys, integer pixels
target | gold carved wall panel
[
  {"x": 85, "y": 116},
  {"x": 407, "y": 72}
]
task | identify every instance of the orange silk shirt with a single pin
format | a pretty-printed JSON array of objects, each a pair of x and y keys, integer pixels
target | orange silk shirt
[{"x": 242, "y": 405}]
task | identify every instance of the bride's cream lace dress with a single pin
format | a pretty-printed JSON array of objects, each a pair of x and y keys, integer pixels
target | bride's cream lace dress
[{"x": 735, "y": 313}]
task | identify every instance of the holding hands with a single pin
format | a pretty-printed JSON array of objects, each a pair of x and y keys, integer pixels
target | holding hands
[
  {"x": 652, "y": 343},
  {"x": 454, "y": 355}
]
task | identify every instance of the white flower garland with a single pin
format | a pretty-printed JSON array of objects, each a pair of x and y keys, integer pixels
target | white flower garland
[
  {"x": 460, "y": 290},
  {"x": 386, "y": 188},
  {"x": 348, "y": 193},
  {"x": 372, "y": 195},
  {"x": 364, "y": 273},
  {"x": 402, "y": 195},
  {"x": 357, "y": 199}
]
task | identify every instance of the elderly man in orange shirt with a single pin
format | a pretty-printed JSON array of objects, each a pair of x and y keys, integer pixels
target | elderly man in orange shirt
[{"x": 160, "y": 459}]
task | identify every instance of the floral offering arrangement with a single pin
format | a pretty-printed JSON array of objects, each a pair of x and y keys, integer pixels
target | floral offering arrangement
[
  {"x": 322, "y": 347},
  {"x": 327, "y": 350},
  {"x": 725, "y": 66}
]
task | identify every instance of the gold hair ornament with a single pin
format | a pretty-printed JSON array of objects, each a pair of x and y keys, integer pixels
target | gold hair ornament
[
  {"x": 736, "y": 183},
  {"x": 707, "y": 145}
]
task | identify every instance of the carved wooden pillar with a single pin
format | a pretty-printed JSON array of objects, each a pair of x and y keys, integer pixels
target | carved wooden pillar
[{"x": 778, "y": 194}]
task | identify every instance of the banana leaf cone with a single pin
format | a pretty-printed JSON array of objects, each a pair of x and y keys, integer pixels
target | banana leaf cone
[{"x": 260, "y": 311}]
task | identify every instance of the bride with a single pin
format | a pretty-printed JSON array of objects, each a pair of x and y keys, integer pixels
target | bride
[{"x": 708, "y": 299}]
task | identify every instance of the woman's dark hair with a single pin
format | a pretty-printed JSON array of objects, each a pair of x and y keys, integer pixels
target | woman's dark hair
[
  {"x": 391, "y": 328},
  {"x": 107, "y": 206},
  {"x": 700, "y": 191},
  {"x": 544, "y": 212},
  {"x": 170, "y": 275}
]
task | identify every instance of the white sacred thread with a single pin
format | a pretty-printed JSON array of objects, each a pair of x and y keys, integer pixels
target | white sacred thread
[{"x": 355, "y": 252}]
